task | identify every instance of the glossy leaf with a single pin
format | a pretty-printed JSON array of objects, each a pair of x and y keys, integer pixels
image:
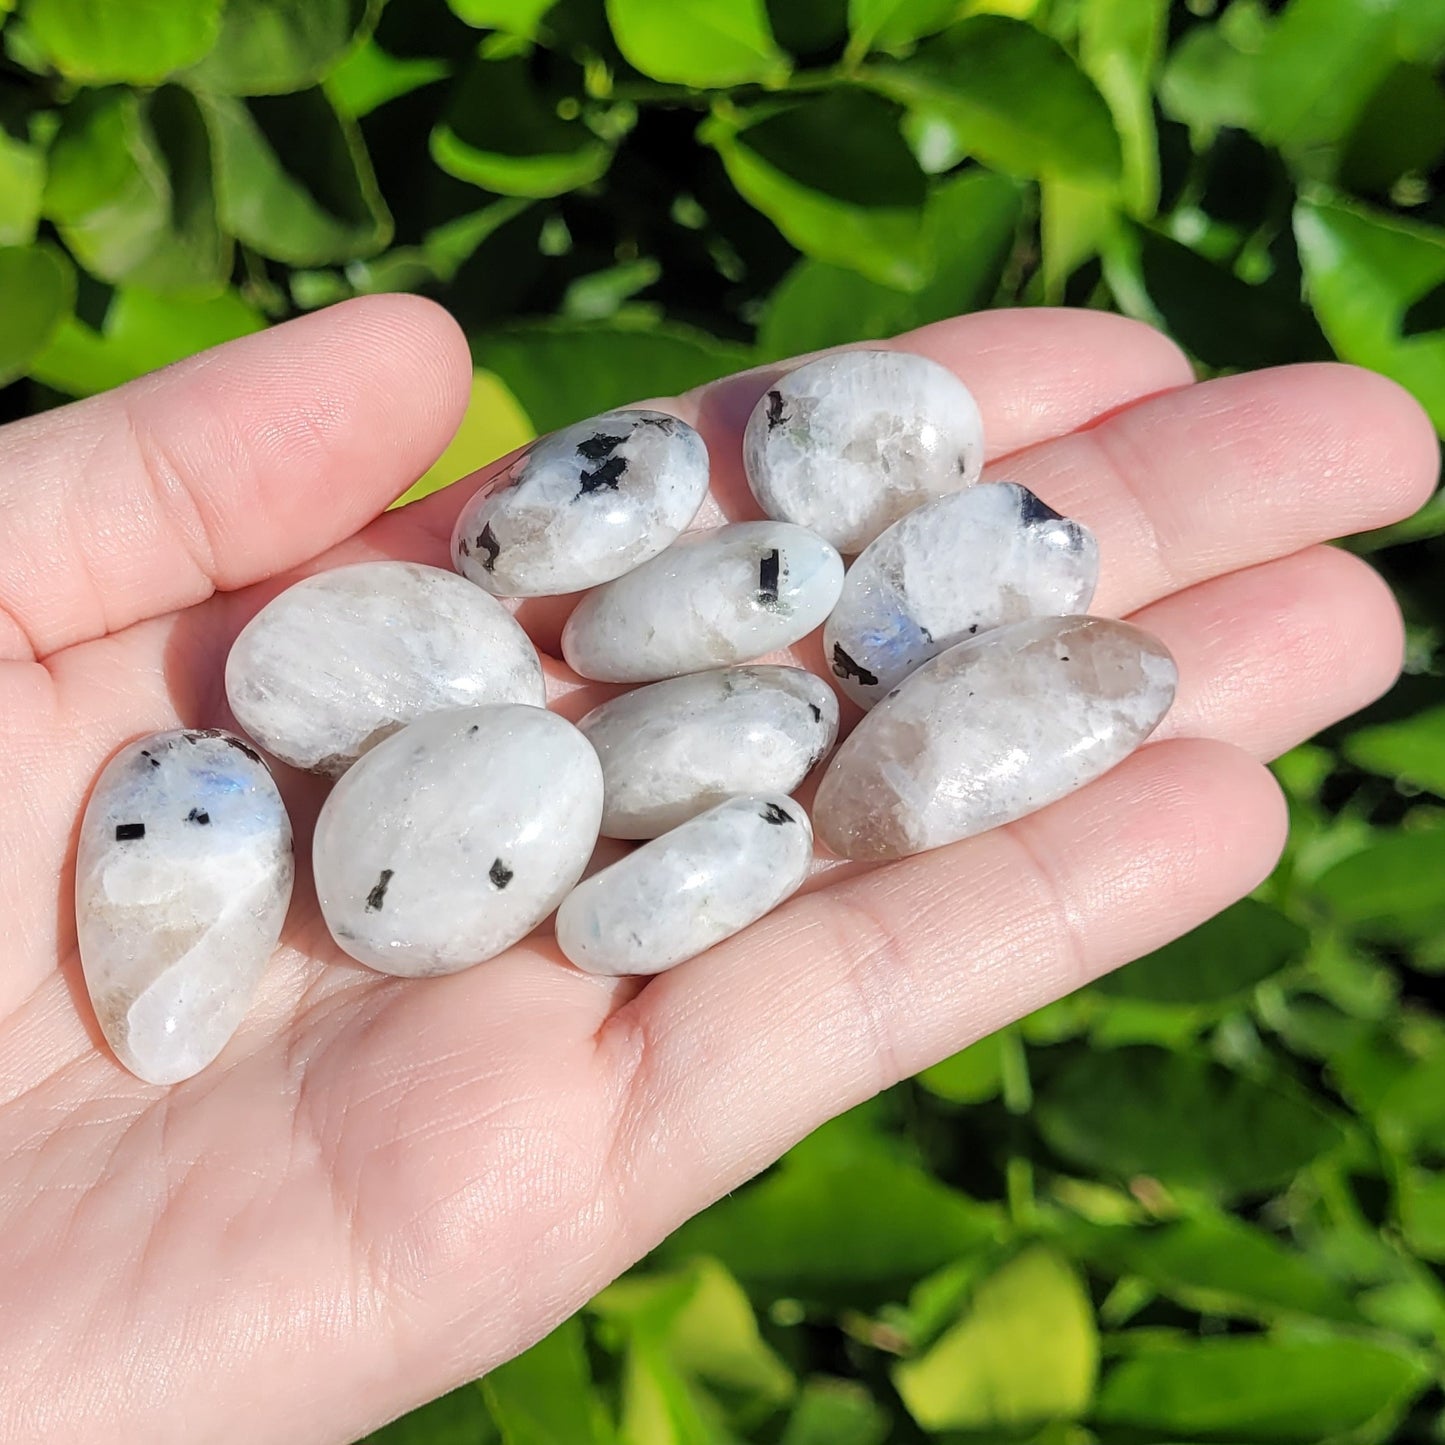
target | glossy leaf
[
  {"x": 516, "y": 17},
  {"x": 1120, "y": 47},
  {"x": 836, "y": 1412},
  {"x": 1394, "y": 887},
  {"x": 22, "y": 184},
  {"x": 889, "y": 24},
  {"x": 1180, "y": 1119},
  {"x": 971, "y": 1076},
  {"x": 545, "y": 1395},
  {"x": 268, "y": 47},
  {"x": 310, "y": 206},
  {"x": 997, "y": 1369},
  {"x": 459, "y": 1418},
  {"x": 697, "y": 42},
  {"x": 1412, "y": 749},
  {"x": 37, "y": 291},
  {"x": 1289, "y": 1389},
  {"x": 369, "y": 77},
  {"x": 1015, "y": 97},
  {"x": 136, "y": 41}
]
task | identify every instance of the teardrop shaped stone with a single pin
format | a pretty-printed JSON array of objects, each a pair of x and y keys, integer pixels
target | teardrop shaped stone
[
  {"x": 992, "y": 730},
  {"x": 583, "y": 505},
  {"x": 956, "y": 567},
  {"x": 689, "y": 889},
  {"x": 182, "y": 883},
  {"x": 343, "y": 659},
  {"x": 849, "y": 443},
  {"x": 713, "y": 598},
  {"x": 455, "y": 837},
  {"x": 677, "y": 748}
]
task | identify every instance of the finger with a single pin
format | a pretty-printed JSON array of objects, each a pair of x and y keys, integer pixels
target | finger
[
  {"x": 1270, "y": 655},
  {"x": 728, "y": 1060},
  {"x": 1229, "y": 473},
  {"x": 220, "y": 470}
]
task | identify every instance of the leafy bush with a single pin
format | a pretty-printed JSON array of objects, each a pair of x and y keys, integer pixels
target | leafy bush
[{"x": 1201, "y": 1200}]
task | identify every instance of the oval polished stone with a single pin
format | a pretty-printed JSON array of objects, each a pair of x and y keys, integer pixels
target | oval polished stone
[
  {"x": 583, "y": 506},
  {"x": 956, "y": 567},
  {"x": 343, "y": 659},
  {"x": 182, "y": 883},
  {"x": 849, "y": 443},
  {"x": 689, "y": 889},
  {"x": 991, "y": 730},
  {"x": 713, "y": 598},
  {"x": 456, "y": 837},
  {"x": 677, "y": 748}
]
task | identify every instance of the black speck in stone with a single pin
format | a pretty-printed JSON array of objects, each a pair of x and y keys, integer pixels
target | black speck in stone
[
  {"x": 198, "y": 816},
  {"x": 925, "y": 633},
  {"x": 666, "y": 424},
  {"x": 1033, "y": 512},
  {"x": 1064, "y": 658},
  {"x": 597, "y": 448},
  {"x": 844, "y": 666},
  {"x": 154, "y": 761},
  {"x": 377, "y": 896},
  {"x": 129, "y": 832},
  {"x": 489, "y": 546},
  {"x": 500, "y": 874},
  {"x": 768, "y": 569},
  {"x": 773, "y": 814},
  {"x": 464, "y": 548},
  {"x": 973, "y": 629},
  {"x": 777, "y": 414},
  {"x": 474, "y": 730},
  {"x": 608, "y": 475},
  {"x": 816, "y": 711},
  {"x": 196, "y": 735}
]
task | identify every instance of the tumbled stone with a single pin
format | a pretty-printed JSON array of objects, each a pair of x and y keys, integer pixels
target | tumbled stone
[
  {"x": 718, "y": 597},
  {"x": 343, "y": 659},
  {"x": 956, "y": 567},
  {"x": 991, "y": 730},
  {"x": 849, "y": 443},
  {"x": 677, "y": 748},
  {"x": 182, "y": 883},
  {"x": 689, "y": 889},
  {"x": 583, "y": 506},
  {"x": 454, "y": 838}
]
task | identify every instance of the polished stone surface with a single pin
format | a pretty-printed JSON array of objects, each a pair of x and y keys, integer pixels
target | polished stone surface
[
  {"x": 181, "y": 887},
  {"x": 956, "y": 567},
  {"x": 677, "y": 748},
  {"x": 454, "y": 838},
  {"x": 343, "y": 659},
  {"x": 713, "y": 598},
  {"x": 583, "y": 506},
  {"x": 990, "y": 731},
  {"x": 849, "y": 443},
  {"x": 689, "y": 889}
]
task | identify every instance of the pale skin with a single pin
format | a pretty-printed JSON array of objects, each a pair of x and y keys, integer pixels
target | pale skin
[{"x": 385, "y": 1187}]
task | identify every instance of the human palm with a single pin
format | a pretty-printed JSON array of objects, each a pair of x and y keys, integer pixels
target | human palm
[{"x": 384, "y": 1187}]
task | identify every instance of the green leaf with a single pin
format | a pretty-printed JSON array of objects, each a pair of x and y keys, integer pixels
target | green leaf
[
  {"x": 1218, "y": 962},
  {"x": 891, "y": 24},
  {"x": 836, "y": 1412},
  {"x": 1395, "y": 887},
  {"x": 1211, "y": 78},
  {"x": 562, "y": 372},
  {"x": 836, "y": 178},
  {"x": 1304, "y": 1389},
  {"x": 308, "y": 205},
  {"x": 1364, "y": 271},
  {"x": 545, "y": 1395},
  {"x": 37, "y": 292},
  {"x": 971, "y": 1076},
  {"x": 369, "y": 77},
  {"x": 1025, "y": 1352},
  {"x": 1400, "y": 129},
  {"x": 1180, "y": 1119},
  {"x": 140, "y": 333},
  {"x": 1015, "y": 97},
  {"x": 494, "y": 425},
  {"x": 1120, "y": 48},
  {"x": 698, "y": 42},
  {"x": 268, "y": 47},
  {"x": 22, "y": 184},
  {"x": 459, "y": 1418},
  {"x": 1420, "y": 1200},
  {"x": 138, "y": 42},
  {"x": 501, "y": 132},
  {"x": 661, "y": 1407},
  {"x": 516, "y": 17},
  {"x": 1412, "y": 749}
]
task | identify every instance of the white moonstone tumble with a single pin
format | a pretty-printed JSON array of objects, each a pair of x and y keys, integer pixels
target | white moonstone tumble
[
  {"x": 688, "y": 889},
  {"x": 991, "y": 730},
  {"x": 583, "y": 505},
  {"x": 956, "y": 567},
  {"x": 456, "y": 837},
  {"x": 713, "y": 598},
  {"x": 343, "y": 659},
  {"x": 181, "y": 887},
  {"x": 848, "y": 443},
  {"x": 677, "y": 748}
]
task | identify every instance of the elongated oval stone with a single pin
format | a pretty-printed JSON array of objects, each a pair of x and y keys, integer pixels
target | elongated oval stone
[
  {"x": 991, "y": 730},
  {"x": 956, "y": 567},
  {"x": 689, "y": 889},
  {"x": 456, "y": 837},
  {"x": 849, "y": 443},
  {"x": 182, "y": 883},
  {"x": 713, "y": 598},
  {"x": 343, "y": 659},
  {"x": 583, "y": 505},
  {"x": 677, "y": 748}
]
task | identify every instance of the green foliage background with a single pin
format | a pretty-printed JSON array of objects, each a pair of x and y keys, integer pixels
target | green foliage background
[{"x": 1202, "y": 1201}]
